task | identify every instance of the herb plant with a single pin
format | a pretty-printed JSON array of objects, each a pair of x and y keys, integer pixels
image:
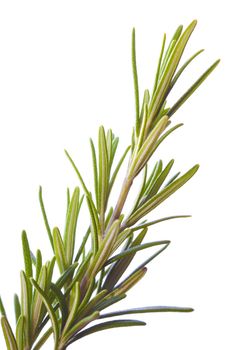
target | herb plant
[{"x": 95, "y": 276}]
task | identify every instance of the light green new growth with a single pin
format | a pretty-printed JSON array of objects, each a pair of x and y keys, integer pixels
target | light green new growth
[{"x": 95, "y": 276}]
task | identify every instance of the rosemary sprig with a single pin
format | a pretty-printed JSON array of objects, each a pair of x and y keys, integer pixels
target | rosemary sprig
[{"x": 90, "y": 279}]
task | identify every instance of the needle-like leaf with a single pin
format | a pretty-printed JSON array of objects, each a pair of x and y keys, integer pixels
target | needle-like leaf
[
  {"x": 121, "y": 265},
  {"x": 171, "y": 67},
  {"x": 20, "y": 333},
  {"x": 45, "y": 216},
  {"x": 38, "y": 263},
  {"x": 71, "y": 223},
  {"x": 2, "y": 308},
  {"x": 27, "y": 255},
  {"x": 59, "y": 250},
  {"x": 150, "y": 309},
  {"x": 105, "y": 249},
  {"x": 37, "y": 305},
  {"x": 134, "y": 249},
  {"x": 108, "y": 325},
  {"x": 8, "y": 334},
  {"x": 103, "y": 176},
  {"x": 95, "y": 171},
  {"x": 78, "y": 173},
  {"x": 73, "y": 310},
  {"x": 150, "y": 223},
  {"x": 62, "y": 302},
  {"x": 71, "y": 336},
  {"x": 43, "y": 339},
  {"x": 114, "y": 175},
  {"x": 135, "y": 79},
  {"x": 129, "y": 282},
  {"x": 147, "y": 148},
  {"x": 51, "y": 312},
  {"x": 26, "y": 307},
  {"x": 17, "y": 307},
  {"x": 158, "y": 71},
  {"x": 161, "y": 196},
  {"x": 193, "y": 88},
  {"x": 183, "y": 67}
]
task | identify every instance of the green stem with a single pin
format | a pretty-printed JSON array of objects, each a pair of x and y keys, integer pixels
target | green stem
[{"x": 121, "y": 200}]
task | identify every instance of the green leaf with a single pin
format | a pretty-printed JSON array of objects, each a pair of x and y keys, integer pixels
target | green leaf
[
  {"x": 80, "y": 272},
  {"x": 111, "y": 144},
  {"x": 134, "y": 249},
  {"x": 103, "y": 175},
  {"x": 135, "y": 79},
  {"x": 27, "y": 255},
  {"x": 37, "y": 305},
  {"x": 169, "y": 71},
  {"x": 123, "y": 235},
  {"x": 78, "y": 173},
  {"x": 173, "y": 178},
  {"x": 147, "y": 224},
  {"x": 91, "y": 305},
  {"x": 193, "y": 88},
  {"x": 82, "y": 246},
  {"x": 62, "y": 302},
  {"x": 114, "y": 175},
  {"x": 143, "y": 310},
  {"x": 8, "y": 334},
  {"x": 142, "y": 134},
  {"x": 59, "y": 250},
  {"x": 51, "y": 312},
  {"x": 147, "y": 261},
  {"x": 171, "y": 47},
  {"x": 66, "y": 275},
  {"x": 71, "y": 223},
  {"x": 45, "y": 216},
  {"x": 153, "y": 176},
  {"x": 158, "y": 182},
  {"x": 100, "y": 280},
  {"x": 158, "y": 71},
  {"x": 184, "y": 66},
  {"x": 26, "y": 306},
  {"x": 43, "y": 339},
  {"x": 113, "y": 147},
  {"x": 33, "y": 258},
  {"x": 2, "y": 309},
  {"x": 67, "y": 200},
  {"x": 95, "y": 171},
  {"x": 20, "y": 333},
  {"x": 105, "y": 249},
  {"x": 109, "y": 301},
  {"x": 146, "y": 101},
  {"x": 38, "y": 263},
  {"x": 17, "y": 307},
  {"x": 121, "y": 265},
  {"x": 88, "y": 293},
  {"x": 73, "y": 310},
  {"x": 80, "y": 325},
  {"x": 166, "y": 134},
  {"x": 147, "y": 148},
  {"x": 161, "y": 196},
  {"x": 50, "y": 268},
  {"x": 129, "y": 282},
  {"x": 95, "y": 225},
  {"x": 107, "y": 325}
]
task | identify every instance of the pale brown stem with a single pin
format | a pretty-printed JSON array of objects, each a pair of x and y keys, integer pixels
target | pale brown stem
[{"x": 121, "y": 200}]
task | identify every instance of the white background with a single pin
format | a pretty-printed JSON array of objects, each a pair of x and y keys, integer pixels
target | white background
[{"x": 65, "y": 69}]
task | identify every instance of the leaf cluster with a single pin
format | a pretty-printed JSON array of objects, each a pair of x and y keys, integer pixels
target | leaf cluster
[{"x": 94, "y": 277}]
